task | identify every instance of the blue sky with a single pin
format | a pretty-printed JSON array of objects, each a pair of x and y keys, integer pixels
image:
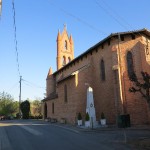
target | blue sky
[{"x": 37, "y": 24}]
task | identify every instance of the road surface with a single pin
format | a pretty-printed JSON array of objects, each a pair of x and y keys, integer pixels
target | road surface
[{"x": 40, "y": 135}]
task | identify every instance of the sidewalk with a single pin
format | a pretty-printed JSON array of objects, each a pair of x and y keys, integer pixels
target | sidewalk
[
  {"x": 107, "y": 128},
  {"x": 102, "y": 128},
  {"x": 135, "y": 135},
  {"x": 139, "y": 142}
]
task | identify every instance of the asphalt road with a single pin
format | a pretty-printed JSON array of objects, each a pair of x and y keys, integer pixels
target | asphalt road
[{"x": 39, "y": 135}]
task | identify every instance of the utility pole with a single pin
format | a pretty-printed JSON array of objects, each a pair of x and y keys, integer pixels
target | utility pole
[
  {"x": 20, "y": 96},
  {"x": 0, "y": 7}
]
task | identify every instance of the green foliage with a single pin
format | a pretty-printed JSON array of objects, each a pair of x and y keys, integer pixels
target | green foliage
[
  {"x": 87, "y": 117},
  {"x": 36, "y": 108},
  {"x": 142, "y": 87},
  {"x": 79, "y": 116},
  {"x": 8, "y": 106},
  {"x": 102, "y": 116},
  {"x": 25, "y": 109}
]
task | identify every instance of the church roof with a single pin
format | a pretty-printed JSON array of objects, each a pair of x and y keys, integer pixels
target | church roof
[
  {"x": 143, "y": 31},
  {"x": 140, "y": 32}
]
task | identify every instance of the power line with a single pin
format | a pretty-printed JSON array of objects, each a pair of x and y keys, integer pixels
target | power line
[
  {"x": 16, "y": 52},
  {"x": 118, "y": 15},
  {"x": 15, "y": 37},
  {"x": 110, "y": 14},
  {"x": 80, "y": 20},
  {"x": 115, "y": 16},
  {"x": 13, "y": 87},
  {"x": 32, "y": 84}
]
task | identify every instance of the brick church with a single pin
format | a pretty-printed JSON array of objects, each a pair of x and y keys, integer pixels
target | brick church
[{"x": 106, "y": 68}]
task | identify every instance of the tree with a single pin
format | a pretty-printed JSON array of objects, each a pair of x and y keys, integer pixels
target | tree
[
  {"x": 142, "y": 87},
  {"x": 36, "y": 108},
  {"x": 8, "y": 106},
  {"x": 25, "y": 109}
]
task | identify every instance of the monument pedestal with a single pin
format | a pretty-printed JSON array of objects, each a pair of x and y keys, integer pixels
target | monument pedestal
[{"x": 90, "y": 108}]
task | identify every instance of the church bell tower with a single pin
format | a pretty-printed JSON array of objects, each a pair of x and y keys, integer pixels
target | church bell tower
[{"x": 65, "y": 48}]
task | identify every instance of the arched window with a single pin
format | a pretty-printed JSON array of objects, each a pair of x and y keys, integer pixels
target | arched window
[
  {"x": 130, "y": 66},
  {"x": 65, "y": 45},
  {"x": 45, "y": 110},
  {"x": 69, "y": 59},
  {"x": 63, "y": 61},
  {"x": 102, "y": 69}
]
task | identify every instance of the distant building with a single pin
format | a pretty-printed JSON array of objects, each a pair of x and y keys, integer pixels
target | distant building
[{"x": 106, "y": 67}]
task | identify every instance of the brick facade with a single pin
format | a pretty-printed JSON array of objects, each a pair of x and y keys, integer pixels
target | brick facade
[{"x": 66, "y": 90}]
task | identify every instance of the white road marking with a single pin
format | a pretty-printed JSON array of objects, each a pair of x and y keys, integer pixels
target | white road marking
[
  {"x": 67, "y": 128},
  {"x": 30, "y": 130}
]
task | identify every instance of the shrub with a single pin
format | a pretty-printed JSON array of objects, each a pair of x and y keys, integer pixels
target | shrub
[
  {"x": 87, "y": 117},
  {"x": 102, "y": 116},
  {"x": 79, "y": 116},
  {"x": 25, "y": 109}
]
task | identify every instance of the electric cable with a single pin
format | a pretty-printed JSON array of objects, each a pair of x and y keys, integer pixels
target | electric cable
[
  {"x": 110, "y": 14},
  {"x": 79, "y": 20},
  {"x": 15, "y": 37},
  {"x": 118, "y": 15},
  {"x": 32, "y": 84},
  {"x": 13, "y": 87},
  {"x": 114, "y": 14}
]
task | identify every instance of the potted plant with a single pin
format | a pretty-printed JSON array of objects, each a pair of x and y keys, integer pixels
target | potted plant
[
  {"x": 79, "y": 119},
  {"x": 103, "y": 119},
  {"x": 87, "y": 120}
]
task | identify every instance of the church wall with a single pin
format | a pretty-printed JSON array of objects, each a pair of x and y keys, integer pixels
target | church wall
[
  {"x": 71, "y": 68},
  {"x": 146, "y": 63},
  {"x": 66, "y": 109},
  {"x": 106, "y": 93},
  {"x": 103, "y": 95},
  {"x": 103, "y": 90},
  {"x": 76, "y": 91},
  {"x": 135, "y": 105}
]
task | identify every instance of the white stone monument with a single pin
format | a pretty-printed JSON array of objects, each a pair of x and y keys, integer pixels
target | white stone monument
[{"x": 90, "y": 108}]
